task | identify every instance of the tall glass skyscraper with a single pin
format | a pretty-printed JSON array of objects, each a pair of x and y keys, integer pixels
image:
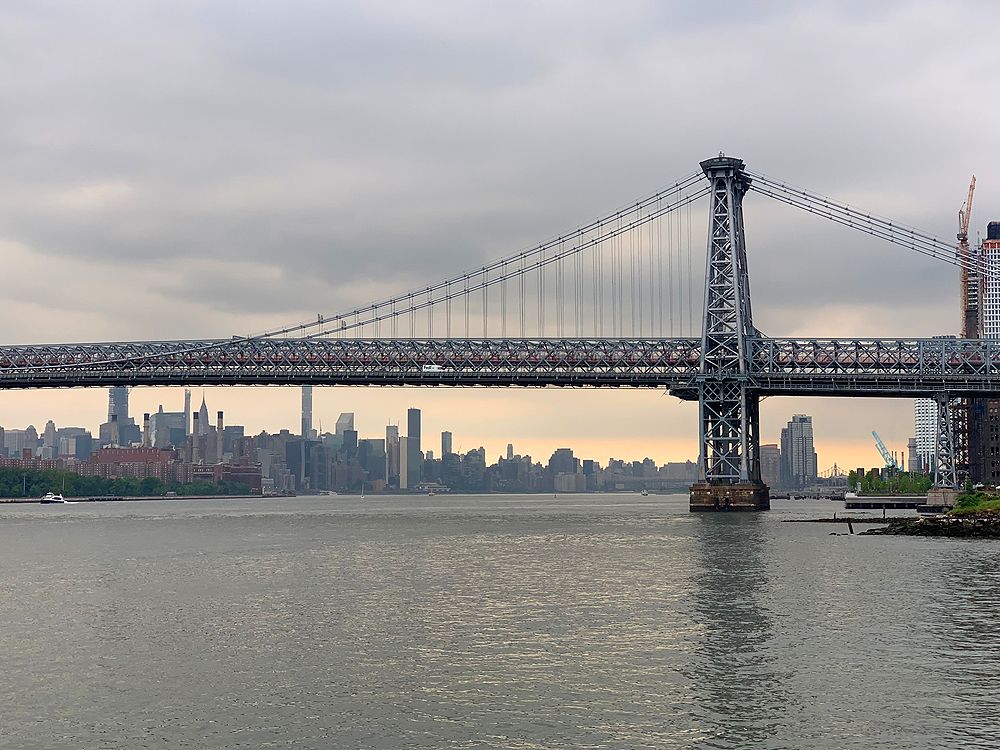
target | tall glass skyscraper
[{"x": 414, "y": 458}]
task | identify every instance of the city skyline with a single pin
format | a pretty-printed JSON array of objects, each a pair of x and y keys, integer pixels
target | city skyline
[
  {"x": 471, "y": 432},
  {"x": 296, "y": 191}
]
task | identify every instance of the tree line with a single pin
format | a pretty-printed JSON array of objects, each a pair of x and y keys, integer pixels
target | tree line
[{"x": 37, "y": 482}]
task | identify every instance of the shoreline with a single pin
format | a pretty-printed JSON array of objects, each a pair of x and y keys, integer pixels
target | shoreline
[{"x": 985, "y": 526}]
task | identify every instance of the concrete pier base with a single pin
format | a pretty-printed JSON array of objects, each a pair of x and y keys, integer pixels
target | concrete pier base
[
  {"x": 943, "y": 497},
  {"x": 730, "y": 497}
]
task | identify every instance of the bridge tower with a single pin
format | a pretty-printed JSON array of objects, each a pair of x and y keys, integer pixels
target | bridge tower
[{"x": 729, "y": 455}]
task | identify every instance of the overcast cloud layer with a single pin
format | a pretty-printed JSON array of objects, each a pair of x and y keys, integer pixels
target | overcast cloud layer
[{"x": 189, "y": 169}]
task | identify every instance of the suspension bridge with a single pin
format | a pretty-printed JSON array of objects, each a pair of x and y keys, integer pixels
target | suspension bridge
[{"x": 619, "y": 302}]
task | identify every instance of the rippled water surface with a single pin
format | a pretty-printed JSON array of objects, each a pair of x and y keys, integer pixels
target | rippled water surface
[{"x": 501, "y": 621}]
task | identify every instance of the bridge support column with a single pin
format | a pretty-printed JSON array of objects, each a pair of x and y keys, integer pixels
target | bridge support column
[
  {"x": 945, "y": 489},
  {"x": 729, "y": 460}
]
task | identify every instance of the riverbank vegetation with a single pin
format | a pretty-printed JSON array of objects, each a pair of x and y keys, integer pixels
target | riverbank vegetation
[
  {"x": 900, "y": 483},
  {"x": 35, "y": 483},
  {"x": 976, "y": 503}
]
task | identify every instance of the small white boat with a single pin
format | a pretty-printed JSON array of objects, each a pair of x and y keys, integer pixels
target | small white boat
[
  {"x": 644, "y": 493},
  {"x": 52, "y": 498}
]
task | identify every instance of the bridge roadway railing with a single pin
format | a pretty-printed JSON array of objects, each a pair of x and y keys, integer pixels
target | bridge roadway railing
[
  {"x": 846, "y": 367},
  {"x": 344, "y": 361}
]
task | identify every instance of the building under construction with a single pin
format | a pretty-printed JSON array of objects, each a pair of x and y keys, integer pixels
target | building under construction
[{"x": 981, "y": 301}]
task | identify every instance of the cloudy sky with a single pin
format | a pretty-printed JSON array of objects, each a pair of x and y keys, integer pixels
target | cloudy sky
[{"x": 197, "y": 169}]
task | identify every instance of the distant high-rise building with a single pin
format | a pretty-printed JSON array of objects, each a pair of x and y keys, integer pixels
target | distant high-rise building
[
  {"x": 510, "y": 451},
  {"x": 392, "y": 455},
  {"x": 204, "y": 426},
  {"x": 345, "y": 422},
  {"x": 563, "y": 461},
  {"x": 414, "y": 457},
  {"x": 49, "y": 435},
  {"x": 307, "y": 412},
  {"x": 445, "y": 444},
  {"x": 168, "y": 428},
  {"x": 404, "y": 463},
  {"x": 770, "y": 464},
  {"x": 371, "y": 457},
  {"x": 798, "y": 455},
  {"x": 187, "y": 412},
  {"x": 913, "y": 461},
  {"x": 118, "y": 404},
  {"x": 925, "y": 414}
]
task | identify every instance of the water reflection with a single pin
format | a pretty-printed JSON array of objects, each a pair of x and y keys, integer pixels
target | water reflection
[{"x": 736, "y": 686}]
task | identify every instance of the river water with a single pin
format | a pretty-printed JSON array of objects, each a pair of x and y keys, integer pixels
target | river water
[{"x": 488, "y": 622}]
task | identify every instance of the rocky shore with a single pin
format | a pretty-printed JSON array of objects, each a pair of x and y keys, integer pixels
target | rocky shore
[{"x": 984, "y": 526}]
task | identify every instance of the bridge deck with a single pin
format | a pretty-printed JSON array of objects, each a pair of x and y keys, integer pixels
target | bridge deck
[{"x": 821, "y": 367}]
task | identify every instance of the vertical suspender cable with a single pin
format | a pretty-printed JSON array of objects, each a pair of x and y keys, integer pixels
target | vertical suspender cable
[
  {"x": 635, "y": 298},
  {"x": 670, "y": 274},
  {"x": 541, "y": 298},
  {"x": 522, "y": 302},
  {"x": 598, "y": 290},
  {"x": 447, "y": 324},
  {"x": 503, "y": 301},
  {"x": 652, "y": 285},
  {"x": 659, "y": 276},
  {"x": 690, "y": 252},
  {"x": 486, "y": 304}
]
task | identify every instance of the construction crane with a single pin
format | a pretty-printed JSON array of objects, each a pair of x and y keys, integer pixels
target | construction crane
[
  {"x": 971, "y": 286},
  {"x": 890, "y": 460}
]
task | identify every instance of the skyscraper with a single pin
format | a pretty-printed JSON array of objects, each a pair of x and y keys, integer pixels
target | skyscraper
[
  {"x": 404, "y": 464},
  {"x": 345, "y": 422},
  {"x": 414, "y": 458},
  {"x": 118, "y": 404},
  {"x": 445, "y": 444},
  {"x": 307, "y": 412},
  {"x": 203, "y": 423},
  {"x": 798, "y": 455},
  {"x": 187, "y": 412},
  {"x": 925, "y": 431},
  {"x": 392, "y": 455}
]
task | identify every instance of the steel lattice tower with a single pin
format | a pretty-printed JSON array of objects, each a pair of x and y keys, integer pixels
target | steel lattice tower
[{"x": 729, "y": 456}]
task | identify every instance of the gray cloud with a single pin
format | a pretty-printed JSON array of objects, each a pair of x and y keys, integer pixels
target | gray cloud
[{"x": 390, "y": 145}]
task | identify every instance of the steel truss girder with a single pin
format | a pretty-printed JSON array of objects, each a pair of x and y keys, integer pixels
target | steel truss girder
[
  {"x": 458, "y": 362},
  {"x": 824, "y": 367}
]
